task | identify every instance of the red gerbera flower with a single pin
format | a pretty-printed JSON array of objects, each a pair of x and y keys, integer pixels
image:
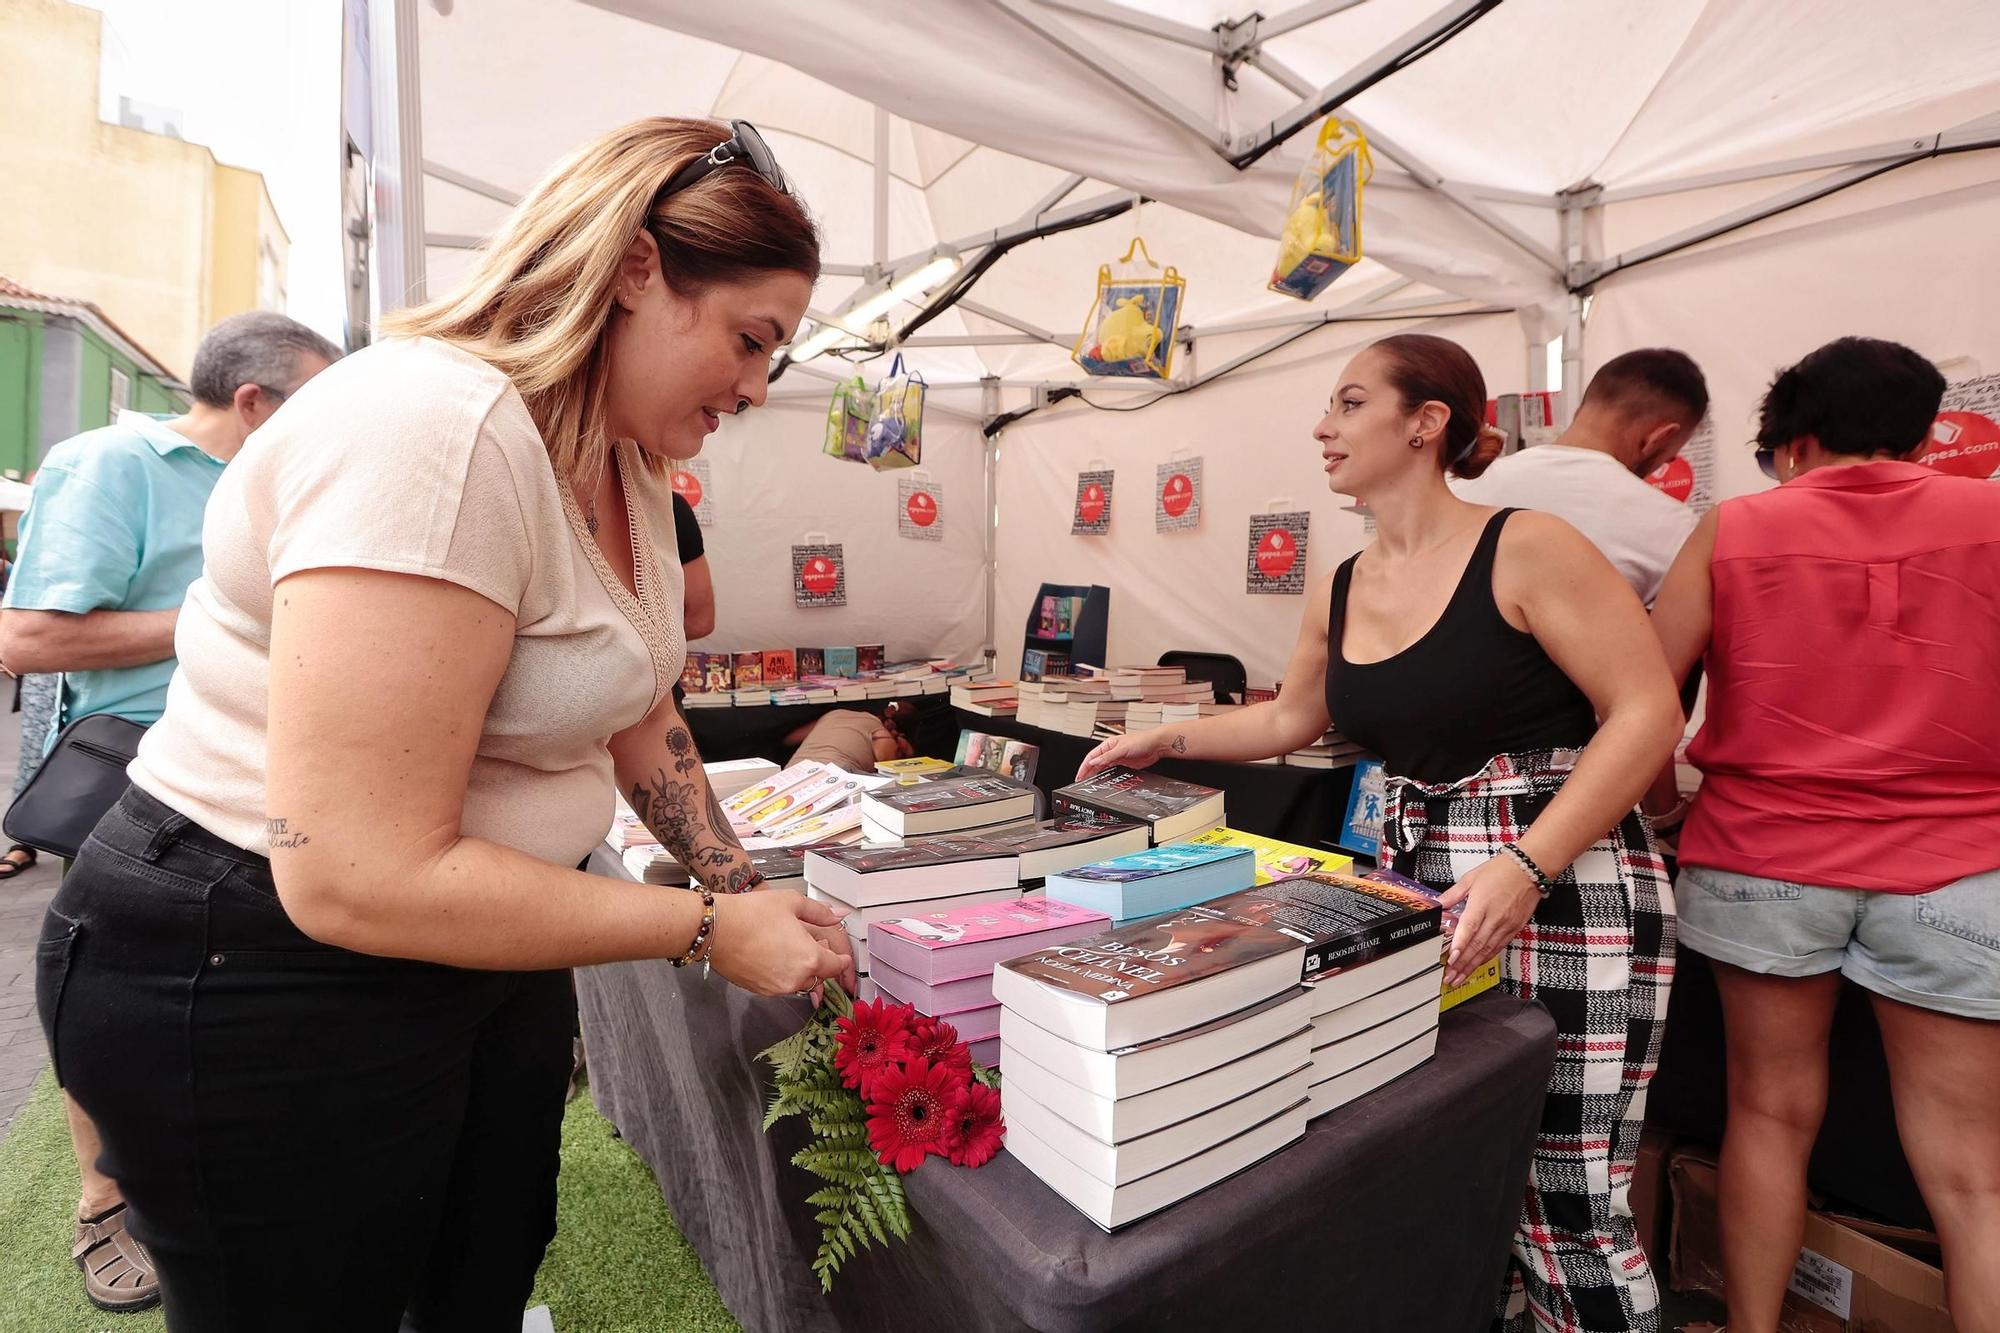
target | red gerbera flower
[
  {"x": 913, "y": 1112},
  {"x": 938, "y": 1046},
  {"x": 876, "y": 1038},
  {"x": 980, "y": 1130}
]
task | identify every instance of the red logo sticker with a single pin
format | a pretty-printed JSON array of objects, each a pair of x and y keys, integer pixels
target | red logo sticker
[
  {"x": 923, "y": 509},
  {"x": 1177, "y": 496},
  {"x": 819, "y": 575},
  {"x": 1276, "y": 554},
  {"x": 1091, "y": 507},
  {"x": 688, "y": 487},
  {"x": 1964, "y": 444},
  {"x": 1676, "y": 479}
]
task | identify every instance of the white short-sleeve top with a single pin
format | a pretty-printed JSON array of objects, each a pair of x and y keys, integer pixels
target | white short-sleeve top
[{"x": 416, "y": 457}]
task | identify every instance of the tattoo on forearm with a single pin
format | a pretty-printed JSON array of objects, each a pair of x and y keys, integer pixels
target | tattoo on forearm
[
  {"x": 280, "y": 834},
  {"x": 1180, "y": 743},
  {"x": 682, "y": 811}
]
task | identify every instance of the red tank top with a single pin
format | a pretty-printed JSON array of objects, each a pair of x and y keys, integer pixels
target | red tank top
[{"x": 1853, "y": 729}]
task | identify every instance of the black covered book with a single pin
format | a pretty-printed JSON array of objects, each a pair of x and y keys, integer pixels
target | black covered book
[
  {"x": 1174, "y": 809},
  {"x": 947, "y": 804},
  {"x": 917, "y": 871},
  {"x": 1345, "y": 920}
]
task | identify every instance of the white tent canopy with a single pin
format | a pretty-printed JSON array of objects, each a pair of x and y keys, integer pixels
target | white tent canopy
[{"x": 1529, "y": 155}]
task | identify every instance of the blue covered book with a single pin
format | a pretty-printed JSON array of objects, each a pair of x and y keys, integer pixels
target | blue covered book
[{"x": 1164, "y": 879}]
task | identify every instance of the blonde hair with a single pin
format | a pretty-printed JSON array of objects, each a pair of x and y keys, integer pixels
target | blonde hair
[{"x": 536, "y": 303}]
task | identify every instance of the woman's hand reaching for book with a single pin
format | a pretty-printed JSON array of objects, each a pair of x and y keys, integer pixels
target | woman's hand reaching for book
[
  {"x": 773, "y": 942},
  {"x": 1136, "y": 749},
  {"x": 1499, "y": 898}
]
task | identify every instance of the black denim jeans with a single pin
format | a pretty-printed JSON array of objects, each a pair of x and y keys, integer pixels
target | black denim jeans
[{"x": 309, "y": 1138}]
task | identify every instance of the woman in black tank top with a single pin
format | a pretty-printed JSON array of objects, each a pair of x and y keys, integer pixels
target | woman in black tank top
[{"x": 1513, "y": 686}]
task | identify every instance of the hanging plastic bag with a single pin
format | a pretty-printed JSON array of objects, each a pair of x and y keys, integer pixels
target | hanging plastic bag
[
  {"x": 1322, "y": 236},
  {"x": 1130, "y": 328},
  {"x": 896, "y": 434},
  {"x": 847, "y": 420}
]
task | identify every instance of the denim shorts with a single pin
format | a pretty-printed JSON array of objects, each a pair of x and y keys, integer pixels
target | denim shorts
[{"x": 1938, "y": 950}]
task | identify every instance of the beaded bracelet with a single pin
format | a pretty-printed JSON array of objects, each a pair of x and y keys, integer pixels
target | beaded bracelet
[
  {"x": 699, "y": 949},
  {"x": 1543, "y": 884}
]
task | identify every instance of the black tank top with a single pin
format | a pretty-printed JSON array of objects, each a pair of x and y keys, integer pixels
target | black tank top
[{"x": 1471, "y": 688}]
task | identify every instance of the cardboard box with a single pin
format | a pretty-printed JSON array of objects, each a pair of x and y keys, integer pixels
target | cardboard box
[{"x": 1845, "y": 1282}]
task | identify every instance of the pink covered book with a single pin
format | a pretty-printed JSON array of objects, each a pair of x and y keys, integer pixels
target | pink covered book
[{"x": 971, "y": 941}]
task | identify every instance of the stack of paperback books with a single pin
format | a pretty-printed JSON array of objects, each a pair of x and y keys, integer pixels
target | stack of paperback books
[
  {"x": 1147, "y": 1063},
  {"x": 949, "y": 803},
  {"x": 941, "y": 963},
  {"x": 993, "y": 698},
  {"x": 1160, "y": 879},
  {"x": 1372, "y": 963},
  {"x": 1175, "y": 811},
  {"x": 1277, "y": 859},
  {"x": 924, "y": 875},
  {"x": 1332, "y": 750}
]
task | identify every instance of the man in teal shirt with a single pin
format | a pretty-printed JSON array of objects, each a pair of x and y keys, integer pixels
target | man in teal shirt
[{"x": 109, "y": 544}]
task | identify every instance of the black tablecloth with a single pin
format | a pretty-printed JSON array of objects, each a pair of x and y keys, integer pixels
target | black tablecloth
[
  {"x": 1392, "y": 1214},
  {"x": 1301, "y": 805},
  {"x": 759, "y": 733}
]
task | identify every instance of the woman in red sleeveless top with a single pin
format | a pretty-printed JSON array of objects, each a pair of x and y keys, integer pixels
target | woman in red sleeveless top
[
  {"x": 1848, "y": 821},
  {"x": 1509, "y": 679}
]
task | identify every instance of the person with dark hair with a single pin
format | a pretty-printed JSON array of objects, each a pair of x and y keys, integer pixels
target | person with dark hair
[
  {"x": 310, "y": 974},
  {"x": 1638, "y": 413},
  {"x": 1518, "y": 697},
  {"x": 109, "y": 546},
  {"x": 1848, "y": 821}
]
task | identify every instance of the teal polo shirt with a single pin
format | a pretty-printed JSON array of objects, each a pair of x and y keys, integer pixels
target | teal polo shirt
[{"x": 115, "y": 525}]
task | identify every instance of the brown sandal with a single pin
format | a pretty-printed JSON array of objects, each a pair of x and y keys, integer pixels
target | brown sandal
[
  {"x": 9, "y": 867},
  {"x": 117, "y": 1272}
]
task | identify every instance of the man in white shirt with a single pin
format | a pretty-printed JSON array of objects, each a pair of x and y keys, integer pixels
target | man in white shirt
[{"x": 1638, "y": 413}]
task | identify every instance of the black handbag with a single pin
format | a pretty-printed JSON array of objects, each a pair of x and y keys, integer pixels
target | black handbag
[{"x": 80, "y": 779}]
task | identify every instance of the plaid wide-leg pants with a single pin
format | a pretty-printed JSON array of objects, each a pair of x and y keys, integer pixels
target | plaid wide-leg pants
[{"x": 1599, "y": 954}]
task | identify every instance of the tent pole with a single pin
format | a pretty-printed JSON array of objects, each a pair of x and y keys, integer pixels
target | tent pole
[
  {"x": 989, "y": 408},
  {"x": 881, "y": 253},
  {"x": 1574, "y": 203},
  {"x": 399, "y": 155},
  {"x": 1080, "y": 48}
]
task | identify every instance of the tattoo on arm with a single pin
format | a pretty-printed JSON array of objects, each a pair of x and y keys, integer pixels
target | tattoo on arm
[
  {"x": 682, "y": 811},
  {"x": 1180, "y": 743},
  {"x": 280, "y": 834}
]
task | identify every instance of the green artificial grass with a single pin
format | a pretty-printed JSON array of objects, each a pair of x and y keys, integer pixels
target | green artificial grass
[{"x": 618, "y": 1263}]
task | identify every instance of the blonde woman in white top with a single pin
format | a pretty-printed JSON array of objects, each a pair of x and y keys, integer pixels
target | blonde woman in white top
[{"x": 440, "y": 617}]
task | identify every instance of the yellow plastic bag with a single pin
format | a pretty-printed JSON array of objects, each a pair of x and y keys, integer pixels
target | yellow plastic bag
[
  {"x": 1130, "y": 328},
  {"x": 1322, "y": 236}
]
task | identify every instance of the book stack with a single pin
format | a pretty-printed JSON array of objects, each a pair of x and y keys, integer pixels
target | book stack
[
  {"x": 1144, "y": 716},
  {"x": 1158, "y": 685},
  {"x": 1174, "y": 810},
  {"x": 781, "y": 867},
  {"x": 799, "y": 806},
  {"x": 924, "y": 875},
  {"x": 1372, "y": 963},
  {"x": 941, "y": 963},
  {"x": 1147, "y": 1063},
  {"x": 1160, "y": 879},
  {"x": 948, "y": 804},
  {"x": 1332, "y": 750},
  {"x": 1054, "y": 846},
  {"x": 1057, "y": 703},
  {"x": 997, "y": 698},
  {"x": 1277, "y": 859},
  {"x": 920, "y": 767}
]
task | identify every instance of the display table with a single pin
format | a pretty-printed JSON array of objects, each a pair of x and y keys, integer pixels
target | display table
[
  {"x": 1391, "y": 1215},
  {"x": 1301, "y": 805}
]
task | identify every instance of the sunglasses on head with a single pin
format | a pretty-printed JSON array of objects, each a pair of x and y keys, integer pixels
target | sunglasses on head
[{"x": 744, "y": 145}]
